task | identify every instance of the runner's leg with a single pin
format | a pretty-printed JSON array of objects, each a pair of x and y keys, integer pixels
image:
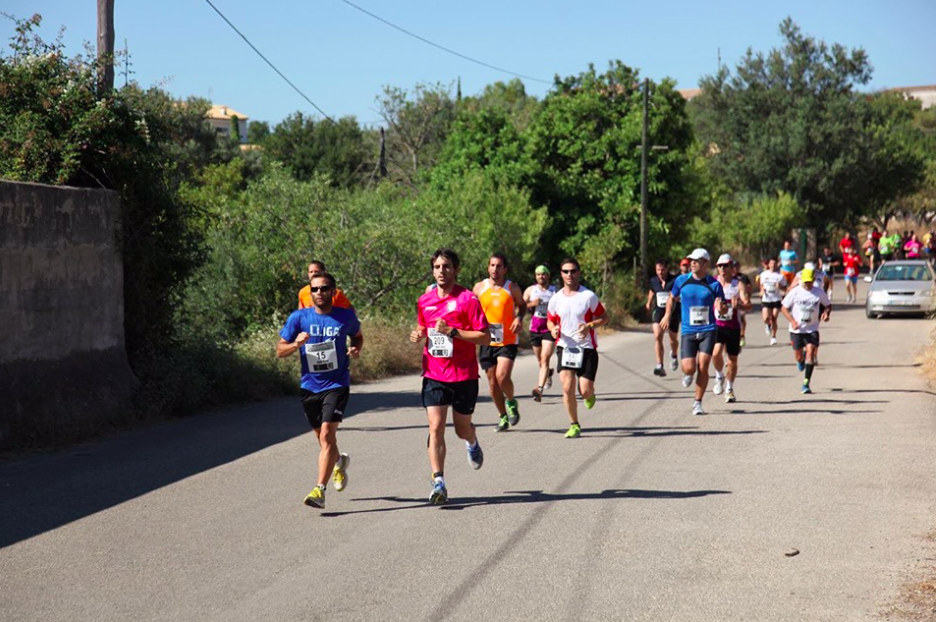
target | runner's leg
[
  {"x": 496, "y": 393},
  {"x": 586, "y": 388},
  {"x": 328, "y": 455},
  {"x": 437, "y": 416},
  {"x": 503, "y": 373},
  {"x": 568, "y": 393},
  {"x": 658, "y": 343},
  {"x": 702, "y": 376}
]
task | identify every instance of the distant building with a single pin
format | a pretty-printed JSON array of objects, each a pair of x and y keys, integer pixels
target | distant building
[
  {"x": 220, "y": 119},
  {"x": 688, "y": 94},
  {"x": 926, "y": 94}
]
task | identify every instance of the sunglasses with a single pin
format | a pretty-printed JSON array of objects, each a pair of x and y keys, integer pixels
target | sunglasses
[
  {"x": 323, "y": 289},
  {"x": 573, "y": 271}
]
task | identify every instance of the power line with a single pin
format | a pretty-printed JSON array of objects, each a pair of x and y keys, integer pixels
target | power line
[
  {"x": 442, "y": 47},
  {"x": 267, "y": 61}
]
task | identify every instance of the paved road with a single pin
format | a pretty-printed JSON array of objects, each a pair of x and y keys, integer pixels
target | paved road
[{"x": 652, "y": 515}]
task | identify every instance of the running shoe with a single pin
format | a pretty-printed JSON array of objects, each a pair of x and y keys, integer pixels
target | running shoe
[
  {"x": 729, "y": 396},
  {"x": 742, "y": 342},
  {"x": 504, "y": 424},
  {"x": 537, "y": 394},
  {"x": 686, "y": 381},
  {"x": 340, "y": 472},
  {"x": 316, "y": 498},
  {"x": 549, "y": 379},
  {"x": 767, "y": 329},
  {"x": 806, "y": 388},
  {"x": 773, "y": 341},
  {"x": 697, "y": 408},
  {"x": 590, "y": 402},
  {"x": 719, "y": 386},
  {"x": 476, "y": 456},
  {"x": 800, "y": 366},
  {"x": 513, "y": 412},
  {"x": 673, "y": 363},
  {"x": 659, "y": 371},
  {"x": 439, "y": 494},
  {"x": 575, "y": 431}
]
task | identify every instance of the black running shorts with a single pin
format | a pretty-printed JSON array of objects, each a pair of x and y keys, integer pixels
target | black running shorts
[
  {"x": 488, "y": 355},
  {"x": 657, "y": 315},
  {"x": 461, "y": 396},
  {"x": 771, "y": 305},
  {"x": 799, "y": 340},
  {"x": 731, "y": 337},
  {"x": 589, "y": 368},
  {"x": 537, "y": 339},
  {"x": 690, "y": 344},
  {"x": 326, "y": 406}
]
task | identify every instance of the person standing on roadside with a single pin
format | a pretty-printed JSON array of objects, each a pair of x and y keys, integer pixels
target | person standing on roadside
[
  {"x": 661, "y": 284},
  {"x": 537, "y": 298},
  {"x": 573, "y": 314},
  {"x": 451, "y": 321},
  {"x": 504, "y": 308},
  {"x": 320, "y": 335},
  {"x": 700, "y": 295},
  {"x": 803, "y": 306}
]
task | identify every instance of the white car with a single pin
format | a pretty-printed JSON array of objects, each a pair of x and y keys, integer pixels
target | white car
[{"x": 901, "y": 287}]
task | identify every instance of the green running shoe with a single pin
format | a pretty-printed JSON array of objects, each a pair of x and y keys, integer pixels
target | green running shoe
[
  {"x": 513, "y": 412},
  {"x": 590, "y": 402},
  {"x": 504, "y": 424},
  {"x": 575, "y": 431}
]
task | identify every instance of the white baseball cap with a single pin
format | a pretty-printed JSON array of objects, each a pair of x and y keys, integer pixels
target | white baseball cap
[
  {"x": 725, "y": 258},
  {"x": 809, "y": 266},
  {"x": 700, "y": 253}
]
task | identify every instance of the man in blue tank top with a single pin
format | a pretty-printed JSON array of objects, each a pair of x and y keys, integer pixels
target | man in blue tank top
[{"x": 701, "y": 296}]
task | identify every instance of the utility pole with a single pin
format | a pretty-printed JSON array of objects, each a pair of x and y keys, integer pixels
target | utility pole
[
  {"x": 105, "y": 44},
  {"x": 382, "y": 161},
  {"x": 643, "y": 184}
]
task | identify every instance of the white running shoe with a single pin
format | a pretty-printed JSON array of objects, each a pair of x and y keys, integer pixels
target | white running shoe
[
  {"x": 673, "y": 363},
  {"x": 719, "y": 386},
  {"x": 773, "y": 341},
  {"x": 697, "y": 408},
  {"x": 686, "y": 381},
  {"x": 729, "y": 396},
  {"x": 767, "y": 329}
]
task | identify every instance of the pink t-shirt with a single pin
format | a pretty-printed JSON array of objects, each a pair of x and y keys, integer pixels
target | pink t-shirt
[{"x": 462, "y": 310}]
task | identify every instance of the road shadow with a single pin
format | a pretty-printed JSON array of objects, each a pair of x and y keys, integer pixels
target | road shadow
[
  {"x": 625, "y": 432},
  {"x": 796, "y": 411},
  {"x": 41, "y": 492},
  {"x": 526, "y": 496},
  {"x": 842, "y": 390}
]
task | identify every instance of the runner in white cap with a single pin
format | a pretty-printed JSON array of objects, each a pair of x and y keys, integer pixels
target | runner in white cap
[
  {"x": 700, "y": 296},
  {"x": 773, "y": 286},
  {"x": 728, "y": 331},
  {"x": 537, "y": 298}
]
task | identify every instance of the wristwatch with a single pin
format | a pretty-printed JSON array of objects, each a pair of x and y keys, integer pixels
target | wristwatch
[{"x": 454, "y": 333}]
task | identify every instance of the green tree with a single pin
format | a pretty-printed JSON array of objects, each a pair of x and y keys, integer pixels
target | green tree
[
  {"x": 309, "y": 147},
  {"x": 257, "y": 132},
  {"x": 791, "y": 121}
]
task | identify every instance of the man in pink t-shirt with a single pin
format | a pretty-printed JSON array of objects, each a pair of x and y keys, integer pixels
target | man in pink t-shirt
[{"x": 451, "y": 321}]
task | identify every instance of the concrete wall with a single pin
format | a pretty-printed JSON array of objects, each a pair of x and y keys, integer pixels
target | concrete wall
[{"x": 63, "y": 366}]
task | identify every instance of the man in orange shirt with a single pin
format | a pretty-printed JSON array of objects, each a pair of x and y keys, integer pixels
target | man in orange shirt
[
  {"x": 305, "y": 295},
  {"x": 504, "y": 308}
]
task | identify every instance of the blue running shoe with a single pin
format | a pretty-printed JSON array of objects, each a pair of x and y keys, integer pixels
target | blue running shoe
[
  {"x": 476, "y": 456},
  {"x": 806, "y": 388},
  {"x": 439, "y": 494},
  {"x": 801, "y": 366}
]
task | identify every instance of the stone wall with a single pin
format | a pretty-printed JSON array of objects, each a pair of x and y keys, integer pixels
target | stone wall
[{"x": 63, "y": 366}]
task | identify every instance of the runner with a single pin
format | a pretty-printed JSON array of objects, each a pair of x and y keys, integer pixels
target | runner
[
  {"x": 847, "y": 242},
  {"x": 827, "y": 263},
  {"x": 572, "y": 316},
  {"x": 887, "y": 246},
  {"x": 700, "y": 296},
  {"x": 657, "y": 295},
  {"x": 452, "y": 319},
  {"x": 537, "y": 298},
  {"x": 803, "y": 307},
  {"x": 742, "y": 313},
  {"x": 851, "y": 262},
  {"x": 305, "y": 297},
  {"x": 788, "y": 261},
  {"x": 320, "y": 335},
  {"x": 773, "y": 285},
  {"x": 728, "y": 331},
  {"x": 913, "y": 249},
  {"x": 871, "y": 247},
  {"x": 504, "y": 308}
]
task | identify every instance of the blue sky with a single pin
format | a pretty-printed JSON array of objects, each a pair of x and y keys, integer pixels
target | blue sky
[{"x": 341, "y": 58}]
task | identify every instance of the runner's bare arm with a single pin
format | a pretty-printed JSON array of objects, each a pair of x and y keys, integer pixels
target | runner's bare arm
[
  {"x": 649, "y": 299},
  {"x": 664, "y": 323},
  {"x": 517, "y": 296},
  {"x": 284, "y": 348},
  {"x": 418, "y": 334},
  {"x": 745, "y": 297},
  {"x": 477, "y": 337},
  {"x": 357, "y": 342}
]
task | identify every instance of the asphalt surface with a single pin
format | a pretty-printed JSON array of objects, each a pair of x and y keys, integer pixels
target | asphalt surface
[{"x": 653, "y": 514}]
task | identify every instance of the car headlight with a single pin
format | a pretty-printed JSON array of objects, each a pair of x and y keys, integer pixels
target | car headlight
[
  {"x": 877, "y": 294},
  {"x": 926, "y": 294}
]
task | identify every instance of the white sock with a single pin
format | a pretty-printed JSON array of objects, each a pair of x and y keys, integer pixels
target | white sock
[
  {"x": 470, "y": 446},
  {"x": 729, "y": 385},
  {"x": 719, "y": 375}
]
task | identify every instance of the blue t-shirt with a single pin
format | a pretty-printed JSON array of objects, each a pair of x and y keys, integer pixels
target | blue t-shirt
[
  {"x": 324, "y": 357},
  {"x": 694, "y": 295},
  {"x": 786, "y": 260}
]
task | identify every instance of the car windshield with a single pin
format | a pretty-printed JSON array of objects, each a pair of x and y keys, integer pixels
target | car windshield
[{"x": 903, "y": 272}]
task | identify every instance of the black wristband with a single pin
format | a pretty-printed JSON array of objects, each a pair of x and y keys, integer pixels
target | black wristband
[{"x": 454, "y": 333}]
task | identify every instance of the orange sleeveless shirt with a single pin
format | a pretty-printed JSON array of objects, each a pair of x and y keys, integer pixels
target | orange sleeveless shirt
[{"x": 498, "y": 307}]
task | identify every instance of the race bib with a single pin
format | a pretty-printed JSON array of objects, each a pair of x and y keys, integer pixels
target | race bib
[
  {"x": 440, "y": 345},
  {"x": 497, "y": 333},
  {"x": 322, "y": 357},
  {"x": 698, "y": 316},
  {"x": 851, "y": 271},
  {"x": 541, "y": 308},
  {"x": 770, "y": 288},
  {"x": 662, "y": 297},
  {"x": 806, "y": 316},
  {"x": 572, "y": 357},
  {"x": 727, "y": 315}
]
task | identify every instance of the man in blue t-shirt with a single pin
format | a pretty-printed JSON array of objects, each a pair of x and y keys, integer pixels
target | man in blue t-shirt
[
  {"x": 320, "y": 335},
  {"x": 700, "y": 296},
  {"x": 788, "y": 261}
]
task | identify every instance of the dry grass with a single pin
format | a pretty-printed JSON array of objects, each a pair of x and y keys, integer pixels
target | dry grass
[
  {"x": 928, "y": 359},
  {"x": 917, "y": 599},
  {"x": 387, "y": 350}
]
